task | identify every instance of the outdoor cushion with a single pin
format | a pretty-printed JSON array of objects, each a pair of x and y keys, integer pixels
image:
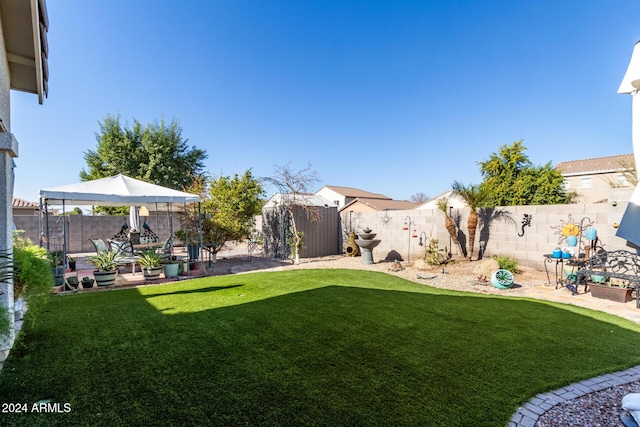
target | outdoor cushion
[
  {"x": 166, "y": 248},
  {"x": 123, "y": 249},
  {"x": 100, "y": 245}
]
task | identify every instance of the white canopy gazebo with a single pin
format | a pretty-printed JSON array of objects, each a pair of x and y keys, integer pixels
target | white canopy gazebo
[{"x": 119, "y": 190}]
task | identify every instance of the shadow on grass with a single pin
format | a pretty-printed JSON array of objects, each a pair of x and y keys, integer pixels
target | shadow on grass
[
  {"x": 335, "y": 355},
  {"x": 196, "y": 290}
]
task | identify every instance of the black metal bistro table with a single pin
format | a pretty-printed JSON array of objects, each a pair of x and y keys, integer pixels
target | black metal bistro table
[{"x": 559, "y": 268}]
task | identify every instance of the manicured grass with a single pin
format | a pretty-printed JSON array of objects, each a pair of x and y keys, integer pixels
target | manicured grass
[{"x": 314, "y": 347}]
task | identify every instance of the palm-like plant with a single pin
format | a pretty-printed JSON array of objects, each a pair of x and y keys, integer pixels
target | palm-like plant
[
  {"x": 449, "y": 223},
  {"x": 474, "y": 197}
]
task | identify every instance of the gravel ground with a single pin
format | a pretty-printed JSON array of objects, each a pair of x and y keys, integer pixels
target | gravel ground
[{"x": 600, "y": 409}]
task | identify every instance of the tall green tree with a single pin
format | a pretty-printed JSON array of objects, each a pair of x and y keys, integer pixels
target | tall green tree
[
  {"x": 511, "y": 179},
  {"x": 155, "y": 153},
  {"x": 228, "y": 209},
  {"x": 232, "y": 204}
]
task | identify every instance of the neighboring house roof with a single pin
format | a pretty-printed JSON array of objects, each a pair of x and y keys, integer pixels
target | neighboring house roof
[
  {"x": 382, "y": 204},
  {"x": 454, "y": 201},
  {"x": 24, "y": 26},
  {"x": 300, "y": 199},
  {"x": 355, "y": 192},
  {"x": 597, "y": 165},
  {"x": 21, "y": 203}
]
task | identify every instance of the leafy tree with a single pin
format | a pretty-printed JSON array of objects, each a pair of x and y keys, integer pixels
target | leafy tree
[
  {"x": 511, "y": 179},
  {"x": 229, "y": 205},
  {"x": 232, "y": 204},
  {"x": 74, "y": 211},
  {"x": 155, "y": 153},
  {"x": 474, "y": 197}
]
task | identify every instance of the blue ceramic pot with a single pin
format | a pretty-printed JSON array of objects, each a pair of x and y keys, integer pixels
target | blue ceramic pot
[
  {"x": 572, "y": 240},
  {"x": 557, "y": 253},
  {"x": 591, "y": 233},
  {"x": 502, "y": 279}
]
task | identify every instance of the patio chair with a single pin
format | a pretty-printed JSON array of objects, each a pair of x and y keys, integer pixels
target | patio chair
[
  {"x": 99, "y": 245},
  {"x": 125, "y": 253},
  {"x": 166, "y": 249}
]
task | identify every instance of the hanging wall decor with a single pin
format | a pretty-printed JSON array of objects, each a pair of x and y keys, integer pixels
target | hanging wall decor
[{"x": 526, "y": 222}]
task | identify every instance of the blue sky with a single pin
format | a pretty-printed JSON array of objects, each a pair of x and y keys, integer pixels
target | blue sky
[{"x": 393, "y": 97}]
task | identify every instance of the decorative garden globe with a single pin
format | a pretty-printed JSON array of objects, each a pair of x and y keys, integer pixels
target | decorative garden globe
[
  {"x": 502, "y": 279},
  {"x": 572, "y": 240},
  {"x": 591, "y": 233}
]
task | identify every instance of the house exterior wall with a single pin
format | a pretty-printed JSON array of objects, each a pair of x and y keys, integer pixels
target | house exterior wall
[
  {"x": 333, "y": 196},
  {"x": 454, "y": 201},
  {"x": 360, "y": 207},
  {"x": 4, "y": 83},
  {"x": 599, "y": 185},
  {"x": 6, "y": 183}
]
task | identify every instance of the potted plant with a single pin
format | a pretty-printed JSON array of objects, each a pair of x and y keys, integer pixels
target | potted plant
[
  {"x": 87, "y": 282},
  {"x": 189, "y": 233},
  {"x": 56, "y": 262},
  {"x": 612, "y": 289},
  {"x": 171, "y": 267},
  {"x": 150, "y": 260},
  {"x": 71, "y": 283},
  {"x": 107, "y": 267},
  {"x": 72, "y": 262},
  {"x": 502, "y": 279}
]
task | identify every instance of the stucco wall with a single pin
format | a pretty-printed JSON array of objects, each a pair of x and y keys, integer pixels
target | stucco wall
[
  {"x": 6, "y": 186},
  {"x": 600, "y": 187},
  {"x": 4, "y": 83}
]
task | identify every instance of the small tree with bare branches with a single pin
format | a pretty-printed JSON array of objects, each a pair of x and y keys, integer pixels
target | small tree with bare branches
[{"x": 295, "y": 185}]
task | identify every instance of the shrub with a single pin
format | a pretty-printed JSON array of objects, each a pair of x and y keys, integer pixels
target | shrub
[
  {"x": 507, "y": 263},
  {"x": 32, "y": 275}
]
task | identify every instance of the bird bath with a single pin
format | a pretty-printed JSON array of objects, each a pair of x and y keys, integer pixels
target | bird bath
[{"x": 366, "y": 242}]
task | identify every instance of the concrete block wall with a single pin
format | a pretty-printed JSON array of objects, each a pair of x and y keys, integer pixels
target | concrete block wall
[
  {"x": 501, "y": 237},
  {"x": 81, "y": 228}
]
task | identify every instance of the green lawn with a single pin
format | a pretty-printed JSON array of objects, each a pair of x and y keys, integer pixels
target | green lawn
[{"x": 305, "y": 347}]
